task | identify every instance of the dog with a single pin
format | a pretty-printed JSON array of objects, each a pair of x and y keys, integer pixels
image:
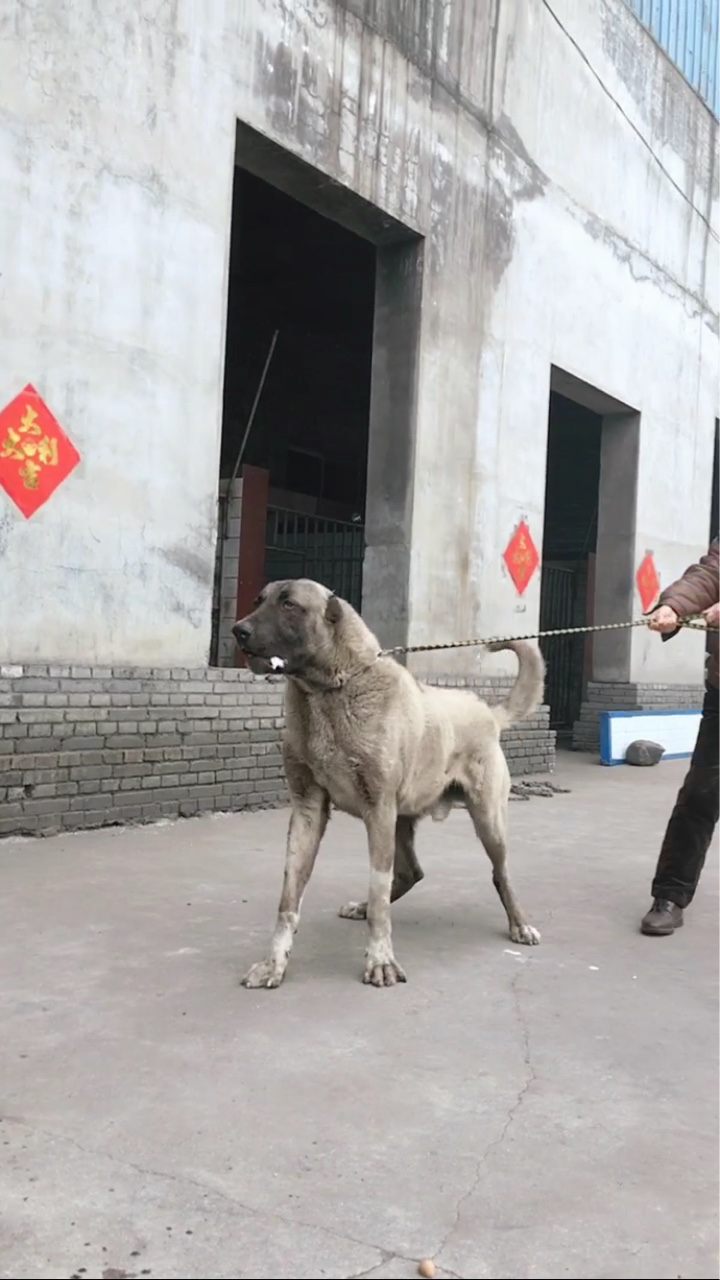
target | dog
[{"x": 362, "y": 734}]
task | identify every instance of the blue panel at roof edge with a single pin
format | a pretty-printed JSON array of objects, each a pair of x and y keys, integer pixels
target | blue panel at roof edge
[{"x": 689, "y": 32}]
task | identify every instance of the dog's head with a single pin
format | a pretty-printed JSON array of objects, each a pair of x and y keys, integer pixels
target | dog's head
[{"x": 294, "y": 621}]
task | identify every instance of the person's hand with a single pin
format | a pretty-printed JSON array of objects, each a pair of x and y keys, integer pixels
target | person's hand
[
  {"x": 663, "y": 620},
  {"x": 712, "y": 615}
]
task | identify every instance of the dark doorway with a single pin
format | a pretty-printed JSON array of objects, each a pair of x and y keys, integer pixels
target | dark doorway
[
  {"x": 569, "y": 545},
  {"x": 301, "y": 305},
  {"x": 295, "y": 272}
]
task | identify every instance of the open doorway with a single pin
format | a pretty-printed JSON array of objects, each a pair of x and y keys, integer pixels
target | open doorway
[
  {"x": 569, "y": 547},
  {"x": 296, "y": 405}
]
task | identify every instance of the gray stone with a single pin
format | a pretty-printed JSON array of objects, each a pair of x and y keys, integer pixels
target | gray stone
[{"x": 644, "y": 752}]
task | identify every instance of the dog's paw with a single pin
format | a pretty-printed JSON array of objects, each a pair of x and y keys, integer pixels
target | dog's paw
[
  {"x": 353, "y": 911},
  {"x": 526, "y": 934},
  {"x": 384, "y": 975},
  {"x": 266, "y": 973}
]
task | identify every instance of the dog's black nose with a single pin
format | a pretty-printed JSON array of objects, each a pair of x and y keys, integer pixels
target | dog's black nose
[{"x": 241, "y": 632}]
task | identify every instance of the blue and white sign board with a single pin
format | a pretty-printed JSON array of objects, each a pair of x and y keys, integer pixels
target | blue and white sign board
[{"x": 676, "y": 731}]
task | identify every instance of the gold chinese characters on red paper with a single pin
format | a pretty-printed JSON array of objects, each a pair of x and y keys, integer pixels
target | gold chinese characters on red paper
[
  {"x": 35, "y": 453},
  {"x": 648, "y": 583},
  {"x": 521, "y": 557}
]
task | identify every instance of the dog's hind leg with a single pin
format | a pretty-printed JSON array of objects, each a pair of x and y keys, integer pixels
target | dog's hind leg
[
  {"x": 308, "y": 820},
  {"x": 406, "y": 870},
  {"x": 486, "y": 799}
]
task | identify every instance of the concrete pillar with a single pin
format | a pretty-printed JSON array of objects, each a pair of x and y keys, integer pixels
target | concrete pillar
[
  {"x": 615, "y": 559},
  {"x": 391, "y": 445}
]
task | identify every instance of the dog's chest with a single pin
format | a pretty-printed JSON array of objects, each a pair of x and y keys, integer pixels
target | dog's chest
[{"x": 338, "y": 762}]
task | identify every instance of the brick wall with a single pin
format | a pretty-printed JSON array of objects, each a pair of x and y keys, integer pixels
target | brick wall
[
  {"x": 607, "y": 696},
  {"x": 81, "y": 746},
  {"x": 88, "y": 746}
]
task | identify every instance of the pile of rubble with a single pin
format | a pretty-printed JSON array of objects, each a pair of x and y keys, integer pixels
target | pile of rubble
[{"x": 526, "y": 790}]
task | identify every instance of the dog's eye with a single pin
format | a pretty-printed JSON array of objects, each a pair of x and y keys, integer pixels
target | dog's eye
[{"x": 288, "y": 603}]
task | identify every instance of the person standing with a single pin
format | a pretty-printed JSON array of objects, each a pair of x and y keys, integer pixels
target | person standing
[{"x": 695, "y": 816}]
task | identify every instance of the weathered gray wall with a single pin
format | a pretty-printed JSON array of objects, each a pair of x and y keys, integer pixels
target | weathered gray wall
[{"x": 561, "y": 174}]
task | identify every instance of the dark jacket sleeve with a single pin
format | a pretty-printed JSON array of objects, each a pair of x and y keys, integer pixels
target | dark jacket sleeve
[{"x": 698, "y": 588}]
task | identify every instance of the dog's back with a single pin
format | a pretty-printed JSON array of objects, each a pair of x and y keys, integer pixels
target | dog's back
[{"x": 377, "y": 719}]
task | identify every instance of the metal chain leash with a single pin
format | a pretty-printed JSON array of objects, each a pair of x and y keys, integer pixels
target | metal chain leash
[{"x": 693, "y": 624}]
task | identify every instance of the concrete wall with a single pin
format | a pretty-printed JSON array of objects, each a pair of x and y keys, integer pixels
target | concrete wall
[
  {"x": 609, "y": 271},
  {"x": 116, "y": 149},
  {"x": 561, "y": 173}
]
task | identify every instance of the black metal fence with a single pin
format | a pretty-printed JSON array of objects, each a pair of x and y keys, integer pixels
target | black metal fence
[
  {"x": 303, "y": 546},
  {"x": 562, "y": 604}
]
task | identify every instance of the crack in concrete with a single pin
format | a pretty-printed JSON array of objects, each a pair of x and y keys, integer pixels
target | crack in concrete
[
  {"x": 206, "y": 1188},
  {"x": 530, "y": 1079},
  {"x": 386, "y": 1255}
]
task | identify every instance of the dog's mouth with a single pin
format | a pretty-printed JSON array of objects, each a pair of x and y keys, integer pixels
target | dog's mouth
[{"x": 261, "y": 665}]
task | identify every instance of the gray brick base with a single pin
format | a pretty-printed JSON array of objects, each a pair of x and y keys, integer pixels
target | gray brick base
[
  {"x": 629, "y": 697},
  {"x": 89, "y": 746}
]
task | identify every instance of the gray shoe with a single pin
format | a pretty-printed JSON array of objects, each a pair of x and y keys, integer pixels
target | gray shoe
[{"x": 662, "y": 919}]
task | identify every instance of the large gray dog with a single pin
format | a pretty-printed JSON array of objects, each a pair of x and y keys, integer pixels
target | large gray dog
[{"x": 363, "y": 734}]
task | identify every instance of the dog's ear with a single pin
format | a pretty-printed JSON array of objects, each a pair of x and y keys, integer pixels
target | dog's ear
[{"x": 333, "y": 611}]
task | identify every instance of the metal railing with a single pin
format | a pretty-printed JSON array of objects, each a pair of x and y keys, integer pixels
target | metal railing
[
  {"x": 688, "y": 31},
  {"x": 304, "y": 546},
  {"x": 562, "y": 605}
]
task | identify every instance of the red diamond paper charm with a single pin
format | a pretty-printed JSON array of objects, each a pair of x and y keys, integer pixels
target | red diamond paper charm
[
  {"x": 35, "y": 454},
  {"x": 521, "y": 557},
  {"x": 648, "y": 583}
]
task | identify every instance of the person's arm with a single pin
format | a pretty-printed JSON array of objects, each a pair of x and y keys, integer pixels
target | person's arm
[{"x": 696, "y": 592}]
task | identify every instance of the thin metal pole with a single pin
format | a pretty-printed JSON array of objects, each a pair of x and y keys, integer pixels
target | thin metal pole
[
  {"x": 253, "y": 410},
  {"x": 224, "y": 498}
]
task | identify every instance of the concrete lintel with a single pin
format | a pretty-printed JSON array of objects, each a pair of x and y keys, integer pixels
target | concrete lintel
[
  {"x": 573, "y": 388},
  {"x": 293, "y": 175}
]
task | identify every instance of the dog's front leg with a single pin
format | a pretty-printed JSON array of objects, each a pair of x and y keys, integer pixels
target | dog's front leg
[
  {"x": 308, "y": 820},
  {"x": 381, "y": 967}
]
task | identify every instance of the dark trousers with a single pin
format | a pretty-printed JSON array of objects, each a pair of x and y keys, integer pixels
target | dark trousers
[{"x": 694, "y": 817}]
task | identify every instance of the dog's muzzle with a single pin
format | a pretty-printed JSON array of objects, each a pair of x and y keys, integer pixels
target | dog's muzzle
[{"x": 242, "y": 633}]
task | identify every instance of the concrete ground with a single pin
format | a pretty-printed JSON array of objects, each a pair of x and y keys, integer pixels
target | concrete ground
[{"x": 510, "y": 1113}]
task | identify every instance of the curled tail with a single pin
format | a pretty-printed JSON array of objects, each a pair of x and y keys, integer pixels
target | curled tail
[{"x": 527, "y": 692}]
